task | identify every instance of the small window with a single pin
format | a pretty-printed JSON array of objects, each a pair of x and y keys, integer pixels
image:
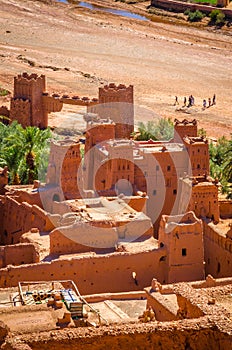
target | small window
[
  {"x": 218, "y": 267},
  {"x": 157, "y": 167},
  {"x": 198, "y": 166},
  {"x": 56, "y": 198},
  {"x": 174, "y": 191},
  {"x": 154, "y": 192},
  {"x": 184, "y": 251},
  {"x": 168, "y": 167}
]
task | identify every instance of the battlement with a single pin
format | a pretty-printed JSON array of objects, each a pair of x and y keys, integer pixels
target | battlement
[
  {"x": 112, "y": 87},
  {"x": 29, "y": 77},
  {"x": 185, "y": 122},
  {"x": 195, "y": 140}
]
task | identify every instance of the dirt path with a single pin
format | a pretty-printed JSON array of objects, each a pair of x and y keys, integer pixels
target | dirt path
[{"x": 78, "y": 50}]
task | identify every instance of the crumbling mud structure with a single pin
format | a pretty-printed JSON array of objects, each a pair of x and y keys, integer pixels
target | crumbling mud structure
[{"x": 113, "y": 215}]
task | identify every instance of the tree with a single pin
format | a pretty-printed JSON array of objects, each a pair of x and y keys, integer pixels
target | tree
[
  {"x": 21, "y": 150},
  {"x": 161, "y": 130}
]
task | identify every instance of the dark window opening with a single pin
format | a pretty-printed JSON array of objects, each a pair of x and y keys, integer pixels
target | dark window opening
[
  {"x": 175, "y": 191},
  {"x": 168, "y": 167},
  {"x": 56, "y": 198},
  {"x": 218, "y": 267},
  {"x": 157, "y": 167},
  {"x": 154, "y": 192},
  {"x": 161, "y": 245},
  {"x": 184, "y": 251},
  {"x": 163, "y": 258}
]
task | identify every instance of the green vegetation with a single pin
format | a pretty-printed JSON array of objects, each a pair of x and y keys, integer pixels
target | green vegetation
[
  {"x": 217, "y": 17},
  {"x": 161, "y": 130},
  {"x": 205, "y": 2},
  {"x": 195, "y": 16},
  {"x": 221, "y": 164},
  {"x": 24, "y": 151},
  {"x": 4, "y": 92}
]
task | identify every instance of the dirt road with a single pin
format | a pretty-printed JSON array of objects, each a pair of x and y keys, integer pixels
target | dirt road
[{"x": 79, "y": 50}]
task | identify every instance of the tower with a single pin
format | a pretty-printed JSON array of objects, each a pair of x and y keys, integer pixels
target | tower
[
  {"x": 27, "y": 103},
  {"x": 117, "y": 103}
]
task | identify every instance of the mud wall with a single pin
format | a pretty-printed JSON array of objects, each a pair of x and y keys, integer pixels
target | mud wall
[
  {"x": 92, "y": 274},
  {"x": 17, "y": 254},
  {"x": 218, "y": 252},
  {"x": 200, "y": 335},
  {"x": 225, "y": 208}
]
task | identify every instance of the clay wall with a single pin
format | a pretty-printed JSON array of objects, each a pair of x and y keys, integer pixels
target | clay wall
[
  {"x": 204, "y": 201},
  {"x": 218, "y": 252},
  {"x": 163, "y": 308},
  {"x": 198, "y": 150},
  {"x": 63, "y": 168},
  {"x": 29, "y": 88},
  {"x": 19, "y": 218},
  {"x": 180, "y": 6},
  {"x": 203, "y": 334},
  {"x": 183, "y": 239},
  {"x": 117, "y": 102},
  {"x": 18, "y": 254},
  {"x": 92, "y": 274},
  {"x": 225, "y": 208},
  {"x": 184, "y": 128},
  {"x": 20, "y": 110}
]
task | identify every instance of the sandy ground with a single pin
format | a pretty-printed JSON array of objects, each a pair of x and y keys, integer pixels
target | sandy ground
[{"x": 79, "y": 50}]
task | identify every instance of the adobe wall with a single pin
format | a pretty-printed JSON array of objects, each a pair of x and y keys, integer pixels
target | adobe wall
[
  {"x": 183, "y": 239},
  {"x": 117, "y": 102},
  {"x": 218, "y": 252},
  {"x": 163, "y": 308},
  {"x": 225, "y": 208},
  {"x": 18, "y": 254},
  {"x": 92, "y": 273},
  {"x": 180, "y": 6},
  {"x": 199, "y": 335},
  {"x": 184, "y": 128},
  {"x": 19, "y": 218}
]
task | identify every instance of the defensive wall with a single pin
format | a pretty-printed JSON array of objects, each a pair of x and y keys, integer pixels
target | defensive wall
[{"x": 181, "y": 6}]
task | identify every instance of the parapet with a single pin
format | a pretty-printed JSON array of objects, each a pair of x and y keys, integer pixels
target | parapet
[
  {"x": 28, "y": 77},
  {"x": 185, "y": 122},
  {"x": 195, "y": 140},
  {"x": 113, "y": 87}
]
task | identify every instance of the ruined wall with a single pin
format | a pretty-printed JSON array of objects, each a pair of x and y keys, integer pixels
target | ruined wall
[
  {"x": 18, "y": 254},
  {"x": 218, "y": 252},
  {"x": 179, "y": 335},
  {"x": 92, "y": 273},
  {"x": 19, "y": 218},
  {"x": 225, "y": 208}
]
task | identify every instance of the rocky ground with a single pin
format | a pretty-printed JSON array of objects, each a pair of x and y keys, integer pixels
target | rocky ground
[{"x": 79, "y": 50}]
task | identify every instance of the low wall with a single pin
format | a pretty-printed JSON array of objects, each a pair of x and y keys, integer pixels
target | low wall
[
  {"x": 218, "y": 252},
  {"x": 180, "y": 6}
]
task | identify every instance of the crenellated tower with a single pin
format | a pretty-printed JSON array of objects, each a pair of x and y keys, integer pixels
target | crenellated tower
[{"x": 27, "y": 103}]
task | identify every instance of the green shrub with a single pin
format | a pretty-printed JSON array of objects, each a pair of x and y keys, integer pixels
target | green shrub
[
  {"x": 195, "y": 16},
  {"x": 4, "y": 92},
  {"x": 217, "y": 17}
]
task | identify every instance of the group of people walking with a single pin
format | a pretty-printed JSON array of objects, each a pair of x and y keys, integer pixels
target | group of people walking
[{"x": 191, "y": 101}]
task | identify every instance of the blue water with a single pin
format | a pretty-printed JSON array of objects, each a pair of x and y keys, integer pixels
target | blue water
[{"x": 123, "y": 13}]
